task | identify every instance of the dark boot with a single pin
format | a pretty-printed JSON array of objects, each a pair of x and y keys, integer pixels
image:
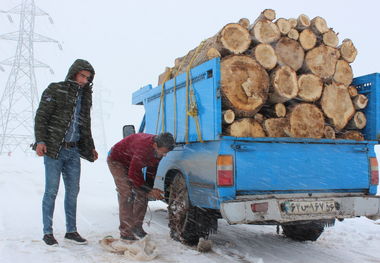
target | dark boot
[
  {"x": 74, "y": 237},
  {"x": 50, "y": 240}
]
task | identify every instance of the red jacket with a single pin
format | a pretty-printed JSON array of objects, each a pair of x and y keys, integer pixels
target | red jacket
[{"x": 136, "y": 152}]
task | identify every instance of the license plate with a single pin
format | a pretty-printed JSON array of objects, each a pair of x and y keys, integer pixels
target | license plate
[{"x": 311, "y": 207}]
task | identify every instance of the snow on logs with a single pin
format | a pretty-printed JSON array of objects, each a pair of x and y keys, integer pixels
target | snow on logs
[{"x": 282, "y": 78}]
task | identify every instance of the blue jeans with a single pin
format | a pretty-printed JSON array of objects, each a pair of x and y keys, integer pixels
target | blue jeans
[{"x": 68, "y": 163}]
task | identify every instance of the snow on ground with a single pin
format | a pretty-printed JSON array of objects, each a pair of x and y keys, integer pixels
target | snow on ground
[{"x": 21, "y": 190}]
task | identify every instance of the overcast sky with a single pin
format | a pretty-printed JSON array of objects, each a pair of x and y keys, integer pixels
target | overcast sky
[{"x": 129, "y": 42}]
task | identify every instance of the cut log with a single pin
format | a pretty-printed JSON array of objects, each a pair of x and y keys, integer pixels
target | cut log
[
  {"x": 293, "y": 34},
  {"x": 359, "y": 121},
  {"x": 259, "y": 118},
  {"x": 329, "y": 132},
  {"x": 246, "y": 127},
  {"x": 307, "y": 39},
  {"x": 265, "y": 31},
  {"x": 309, "y": 87},
  {"x": 306, "y": 121},
  {"x": 276, "y": 127},
  {"x": 360, "y": 101},
  {"x": 292, "y": 22},
  {"x": 267, "y": 14},
  {"x": 244, "y": 22},
  {"x": 303, "y": 22},
  {"x": 337, "y": 105},
  {"x": 343, "y": 73},
  {"x": 353, "y": 135},
  {"x": 284, "y": 85},
  {"x": 319, "y": 25},
  {"x": 213, "y": 53},
  {"x": 276, "y": 111},
  {"x": 228, "y": 116},
  {"x": 348, "y": 50},
  {"x": 353, "y": 91},
  {"x": 321, "y": 61},
  {"x": 330, "y": 38},
  {"x": 289, "y": 52},
  {"x": 265, "y": 55},
  {"x": 232, "y": 39},
  {"x": 244, "y": 85},
  {"x": 283, "y": 25},
  {"x": 165, "y": 76},
  {"x": 280, "y": 110}
]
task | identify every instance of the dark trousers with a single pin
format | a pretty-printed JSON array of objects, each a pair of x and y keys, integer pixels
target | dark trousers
[{"x": 133, "y": 201}]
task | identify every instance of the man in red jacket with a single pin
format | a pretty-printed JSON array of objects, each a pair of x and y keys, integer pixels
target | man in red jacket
[{"x": 126, "y": 160}]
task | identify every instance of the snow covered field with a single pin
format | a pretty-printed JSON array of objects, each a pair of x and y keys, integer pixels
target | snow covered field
[{"x": 21, "y": 190}]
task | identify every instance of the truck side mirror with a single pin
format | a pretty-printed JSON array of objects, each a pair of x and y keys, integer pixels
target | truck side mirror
[{"x": 128, "y": 130}]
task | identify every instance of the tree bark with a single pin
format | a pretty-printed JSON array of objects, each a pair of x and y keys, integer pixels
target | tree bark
[
  {"x": 321, "y": 61},
  {"x": 283, "y": 25},
  {"x": 310, "y": 87},
  {"x": 246, "y": 127},
  {"x": 289, "y": 52},
  {"x": 360, "y": 101},
  {"x": 306, "y": 121},
  {"x": 284, "y": 85},
  {"x": 265, "y": 31},
  {"x": 307, "y": 39},
  {"x": 276, "y": 127},
  {"x": 267, "y": 14},
  {"x": 343, "y": 73},
  {"x": 259, "y": 118},
  {"x": 319, "y": 25},
  {"x": 228, "y": 116},
  {"x": 359, "y": 121},
  {"x": 244, "y": 85},
  {"x": 337, "y": 105},
  {"x": 353, "y": 91},
  {"x": 348, "y": 50},
  {"x": 265, "y": 55}
]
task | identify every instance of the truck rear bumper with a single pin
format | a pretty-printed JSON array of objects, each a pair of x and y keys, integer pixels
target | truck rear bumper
[{"x": 284, "y": 210}]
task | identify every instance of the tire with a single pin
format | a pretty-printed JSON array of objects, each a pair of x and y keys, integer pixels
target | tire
[
  {"x": 309, "y": 231},
  {"x": 187, "y": 223}
]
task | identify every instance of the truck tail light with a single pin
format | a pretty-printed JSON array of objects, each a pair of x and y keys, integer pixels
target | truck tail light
[
  {"x": 374, "y": 171},
  {"x": 259, "y": 207},
  {"x": 225, "y": 170}
]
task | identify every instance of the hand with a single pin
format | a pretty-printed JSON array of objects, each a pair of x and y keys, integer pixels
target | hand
[
  {"x": 156, "y": 194},
  {"x": 41, "y": 149},
  {"x": 95, "y": 154}
]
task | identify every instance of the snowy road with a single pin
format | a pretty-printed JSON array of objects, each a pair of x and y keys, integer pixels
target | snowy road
[{"x": 21, "y": 189}]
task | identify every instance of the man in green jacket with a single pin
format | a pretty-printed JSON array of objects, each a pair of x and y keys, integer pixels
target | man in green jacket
[{"x": 63, "y": 135}]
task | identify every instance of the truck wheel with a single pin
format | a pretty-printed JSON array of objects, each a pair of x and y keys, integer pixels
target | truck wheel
[
  {"x": 185, "y": 220},
  {"x": 307, "y": 231}
]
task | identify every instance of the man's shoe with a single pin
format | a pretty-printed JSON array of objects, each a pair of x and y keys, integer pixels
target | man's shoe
[
  {"x": 139, "y": 232},
  {"x": 50, "y": 240},
  {"x": 75, "y": 238},
  {"x": 128, "y": 238}
]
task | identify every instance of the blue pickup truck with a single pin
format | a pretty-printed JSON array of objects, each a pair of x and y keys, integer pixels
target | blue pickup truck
[{"x": 300, "y": 184}]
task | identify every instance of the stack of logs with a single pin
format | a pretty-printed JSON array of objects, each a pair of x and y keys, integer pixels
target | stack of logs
[{"x": 283, "y": 78}]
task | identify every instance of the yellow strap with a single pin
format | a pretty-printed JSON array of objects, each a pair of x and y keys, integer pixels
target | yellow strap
[
  {"x": 162, "y": 103},
  {"x": 193, "y": 110}
]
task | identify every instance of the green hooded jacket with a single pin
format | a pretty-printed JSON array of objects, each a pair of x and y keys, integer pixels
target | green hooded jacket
[{"x": 56, "y": 110}]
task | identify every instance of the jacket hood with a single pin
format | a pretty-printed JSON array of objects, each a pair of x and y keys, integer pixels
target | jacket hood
[{"x": 78, "y": 65}]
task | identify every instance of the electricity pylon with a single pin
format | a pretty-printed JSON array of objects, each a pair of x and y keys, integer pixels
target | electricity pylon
[{"x": 19, "y": 99}]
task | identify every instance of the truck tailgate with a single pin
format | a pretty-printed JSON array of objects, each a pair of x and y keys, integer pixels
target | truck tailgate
[{"x": 280, "y": 166}]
